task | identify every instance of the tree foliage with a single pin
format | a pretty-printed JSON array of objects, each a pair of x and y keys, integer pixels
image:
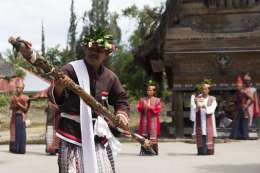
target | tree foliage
[
  {"x": 17, "y": 60},
  {"x": 43, "y": 41},
  {"x": 131, "y": 75},
  {"x": 98, "y": 14},
  {"x": 54, "y": 55},
  {"x": 147, "y": 19},
  {"x": 114, "y": 28},
  {"x": 72, "y": 32}
]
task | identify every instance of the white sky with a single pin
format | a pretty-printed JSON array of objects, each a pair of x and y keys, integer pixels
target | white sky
[{"x": 23, "y": 18}]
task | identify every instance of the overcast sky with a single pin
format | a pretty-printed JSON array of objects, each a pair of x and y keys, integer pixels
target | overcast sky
[{"x": 23, "y": 18}]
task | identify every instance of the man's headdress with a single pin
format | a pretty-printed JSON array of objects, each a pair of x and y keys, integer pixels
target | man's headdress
[
  {"x": 205, "y": 83},
  {"x": 19, "y": 83},
  {"x": 99, "y": 37},
  {"x": 151, "y": 83}
]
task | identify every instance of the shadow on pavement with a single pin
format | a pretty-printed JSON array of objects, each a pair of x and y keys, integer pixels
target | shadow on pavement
[
  {"x": 243, "y": 168},
  {"x": 36, "y": 153},
  {"x": 128, "y": 154},
  {"x": 27, "y": 153},
  {"x": 182, "y": 154}
]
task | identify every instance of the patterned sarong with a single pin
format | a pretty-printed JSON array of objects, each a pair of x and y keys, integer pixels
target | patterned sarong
[
  {"x": 19, "y": 143},
  {"x": 210, "y": 138},
  {"x": 70, "y": 158},
  {"x": 205, "y": 143}
]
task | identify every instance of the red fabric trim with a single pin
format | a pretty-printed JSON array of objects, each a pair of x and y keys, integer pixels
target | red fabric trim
[
  {"x": 255, "y": 102},
  {"x": 73, "y": 113},
  {"x": 155, "y": 110},
  {"x": 256, "y": 105},
  {"x": 69, "y": 136},
  {"x": 198, "y": 130},
  {"x": 139, "y": 107},
  {"x": 210, "y": 142}
]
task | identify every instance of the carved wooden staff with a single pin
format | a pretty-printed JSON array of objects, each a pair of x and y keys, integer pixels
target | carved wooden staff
[{"x": 41, "y": 64}]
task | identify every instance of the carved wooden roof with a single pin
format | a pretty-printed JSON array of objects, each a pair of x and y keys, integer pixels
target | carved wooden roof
[
  {"x": 229, "y": 30},
  {"x": 204, "y": 29}
]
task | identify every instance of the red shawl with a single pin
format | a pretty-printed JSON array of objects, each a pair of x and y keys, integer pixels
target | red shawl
[{"x": 145, "y": 112}]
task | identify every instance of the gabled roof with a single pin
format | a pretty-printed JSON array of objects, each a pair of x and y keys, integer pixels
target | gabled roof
[{"x": 33, "y": 83}]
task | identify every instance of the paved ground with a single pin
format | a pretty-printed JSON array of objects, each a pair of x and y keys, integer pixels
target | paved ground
[{"x": 235, "y": 157}]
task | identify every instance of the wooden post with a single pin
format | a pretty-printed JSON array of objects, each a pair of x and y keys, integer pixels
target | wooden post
[
  {"x": 222, "y": 3},
  {"x": 251, "y": 2},
  {"x": 178, "y": 116},
  {"x": 237, "y": 3},
  {"x": 229, "y": 3}
]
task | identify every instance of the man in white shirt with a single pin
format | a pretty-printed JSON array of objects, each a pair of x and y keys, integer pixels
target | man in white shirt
[{"x": 205, "y": 124}]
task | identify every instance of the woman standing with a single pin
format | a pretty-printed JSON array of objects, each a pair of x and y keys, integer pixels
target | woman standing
[
  {"x": 240, "y": 128},
  {"x": 19, "y": 107},
  {"x": 149, "y": 108}
]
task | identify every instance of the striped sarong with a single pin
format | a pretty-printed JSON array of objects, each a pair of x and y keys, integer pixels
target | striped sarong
[
  {"x": 205, "y": 143},
  {"x": 70, "y": 158}
]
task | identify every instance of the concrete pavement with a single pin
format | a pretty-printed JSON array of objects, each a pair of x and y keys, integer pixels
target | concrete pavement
[{"x": 233, "y": 157}]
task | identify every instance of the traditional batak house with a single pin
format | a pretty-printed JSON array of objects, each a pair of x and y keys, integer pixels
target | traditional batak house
[{"x": 196, "y": 39}]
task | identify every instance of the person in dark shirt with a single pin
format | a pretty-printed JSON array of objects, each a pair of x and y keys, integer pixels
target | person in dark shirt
[{"x": 105, "y": 87}]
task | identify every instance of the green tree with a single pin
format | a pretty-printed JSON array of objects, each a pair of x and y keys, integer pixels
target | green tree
[
  {"x": 131, "y": 75},
  {"x": 147, "y": 19},
  {"x": 85, "y": 30},
  {"x": 98, "y": 14},
  {"x": 54, "y": 55},
  {"x": 114, "y": 28},
  {"x": 65, "y": 56},
  {"x": 71, "y": 38},
  {"x": 17, "y": 60},
  {"x": 43, "y": 41}
]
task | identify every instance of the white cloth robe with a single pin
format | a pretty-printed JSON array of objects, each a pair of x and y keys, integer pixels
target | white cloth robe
[
  {"x": 203, "y": 113},
  {"x": 251, "y": 91},
  {"x": 192, "y": 108}
]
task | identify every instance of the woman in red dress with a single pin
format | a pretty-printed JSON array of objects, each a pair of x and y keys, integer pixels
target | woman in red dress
[{"x": 149, "y": 108}]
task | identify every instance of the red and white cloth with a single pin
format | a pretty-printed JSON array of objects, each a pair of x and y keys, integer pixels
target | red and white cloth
[
  {"x": 253, "y": 109},
  {"x": 149, "y": 118}
]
